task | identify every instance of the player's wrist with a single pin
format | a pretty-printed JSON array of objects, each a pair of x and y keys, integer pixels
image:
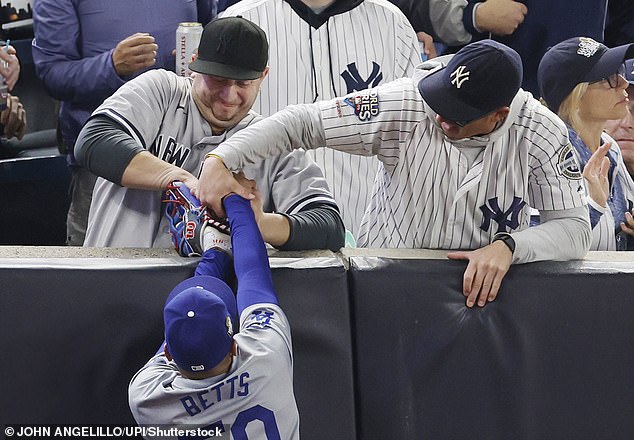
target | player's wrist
[
  {"x": 506, "y": 239},
  {"x": 215, "y": 157}
]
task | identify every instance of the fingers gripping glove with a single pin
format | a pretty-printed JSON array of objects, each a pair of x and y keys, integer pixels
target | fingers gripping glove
[{"x": 192, "y": 228}]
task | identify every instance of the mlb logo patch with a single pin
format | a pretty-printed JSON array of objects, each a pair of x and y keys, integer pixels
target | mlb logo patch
[{"x": 365, "y": 105}]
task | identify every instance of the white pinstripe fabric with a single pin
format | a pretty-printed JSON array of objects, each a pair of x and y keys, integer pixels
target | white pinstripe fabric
[
  {"x": 374, "y": 31},
  {"x": 427, "y": 196}
]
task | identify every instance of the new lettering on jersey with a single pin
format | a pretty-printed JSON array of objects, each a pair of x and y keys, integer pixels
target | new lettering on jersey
[{"x": 365, "y": 105}]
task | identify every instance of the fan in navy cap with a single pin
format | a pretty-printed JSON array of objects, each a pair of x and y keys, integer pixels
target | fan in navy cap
[
  {"x": 482, "y": 77},
  {"x": 583, "y": 81},
  {"x": 205, "y": 375}
]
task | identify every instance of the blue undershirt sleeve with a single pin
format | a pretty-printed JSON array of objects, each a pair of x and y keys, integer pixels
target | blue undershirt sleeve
[{"x": 250, "y": 259}]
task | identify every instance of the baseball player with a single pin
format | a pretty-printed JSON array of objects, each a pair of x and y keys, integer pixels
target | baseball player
[
  {"x": 206, "y": 377},
  {"x": 158, "y": 128},
  {"x": 464, "y": 155},
  {"x": 324, "y": 48}
]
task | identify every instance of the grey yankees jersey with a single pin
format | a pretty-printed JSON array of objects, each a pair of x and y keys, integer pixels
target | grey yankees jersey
[
  {"x": 429, "y": 194},
  {"x": 253, "y": 400},
  {"x": 157, "y": 110},
  {"x": 370, "y": 43}
]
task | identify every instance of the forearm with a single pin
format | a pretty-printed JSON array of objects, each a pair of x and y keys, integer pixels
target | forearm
[
  {"x": 67, "y": 74},
  {"x": 84, "y": 80},
  {"x": 446, "y": 19},
  {"x": 562, "y": 235},
  {"x": 469, "y": 18},
  {"x": 105, "y": 149},
  {"x": 275, "y": 228},
  {"x": 295, "y": 127},
  {"x": 319, "y": 227},
  {"x": 251, "y": 262}
]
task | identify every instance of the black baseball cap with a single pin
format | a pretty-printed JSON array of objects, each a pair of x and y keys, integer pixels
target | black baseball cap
[
  {"x": 232, "y": 47},
  {"x": 574, "y": 61},
  {"x": 480, "y": 78}
]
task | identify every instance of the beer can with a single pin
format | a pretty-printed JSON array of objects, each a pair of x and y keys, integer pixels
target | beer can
[{"x": 187, "y": 39}]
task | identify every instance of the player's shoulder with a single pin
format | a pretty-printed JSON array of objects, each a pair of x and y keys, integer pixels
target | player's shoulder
[
  {"x": 386, "y": 6},
  {"x": 264, "y": 317},
  {"x": 535, "y": 120},
  {"x": 157, "y": 372}
]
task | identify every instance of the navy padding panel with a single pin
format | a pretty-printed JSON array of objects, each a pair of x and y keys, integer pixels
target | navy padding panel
[
  {"x": 34, "y": 200},
  {"x": 316, "y": 302},
  {"x": 72, "y": 338},
  {"x": 551, "y": 358}
]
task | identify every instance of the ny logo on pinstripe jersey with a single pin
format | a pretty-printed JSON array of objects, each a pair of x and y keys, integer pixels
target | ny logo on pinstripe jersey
[
  {"x": 353, "y": 79},
  {"x": 494, "y": 212},
  {"x": 459, "y": 76}
]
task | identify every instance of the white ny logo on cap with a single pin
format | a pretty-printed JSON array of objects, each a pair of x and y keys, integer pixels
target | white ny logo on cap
[{"x": 460, "y": 76}]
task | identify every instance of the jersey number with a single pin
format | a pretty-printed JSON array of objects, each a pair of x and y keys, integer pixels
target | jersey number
[{"x": 239, "y": 427}]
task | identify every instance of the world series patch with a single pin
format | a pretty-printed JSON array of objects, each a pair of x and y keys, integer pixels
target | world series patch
[
  {"x": 365, "y": 105},
  {"x": 567, "y": 163}
]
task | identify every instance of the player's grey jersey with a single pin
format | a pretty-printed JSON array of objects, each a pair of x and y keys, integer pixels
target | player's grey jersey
[
  {"x": 603, "y": 238},
  {"x": 370, "y": 44},
  {"x": 253, "y": 400},
  {"x": 126, "y": 217}
]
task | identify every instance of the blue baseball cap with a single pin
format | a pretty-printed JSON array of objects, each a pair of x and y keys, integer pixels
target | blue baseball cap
[
  {"x": 480, "y": 78},
  {"x": 574, "y": 61},
  {"x": 199, "y": 318}
]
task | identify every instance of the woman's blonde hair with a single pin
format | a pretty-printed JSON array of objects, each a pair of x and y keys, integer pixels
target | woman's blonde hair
[{"x": 569, "y": 108}]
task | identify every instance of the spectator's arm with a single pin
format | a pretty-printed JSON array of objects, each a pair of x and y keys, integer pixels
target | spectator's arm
[
  {"x": 107, "y": 150},
  {"x": 66, "y": 74}
]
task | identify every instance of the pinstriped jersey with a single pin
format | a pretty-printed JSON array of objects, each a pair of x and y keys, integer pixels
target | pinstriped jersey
[
  {"x": 254, "y": 399},
  {"x": 428, "y": 194},
  {"x": 369, "y": 44},
  {"x": 157, "y": 110}
]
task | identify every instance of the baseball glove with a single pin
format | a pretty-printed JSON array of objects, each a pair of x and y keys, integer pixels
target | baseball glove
[{"x": 192, "y": 227}]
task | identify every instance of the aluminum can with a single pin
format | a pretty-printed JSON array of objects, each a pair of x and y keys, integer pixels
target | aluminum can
[{"x": 187, "y": 39}]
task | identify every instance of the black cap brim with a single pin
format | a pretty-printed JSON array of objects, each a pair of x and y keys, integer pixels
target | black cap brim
[
  {"x": 444, "y": 101},
  {"x": 223, "y": 70}
]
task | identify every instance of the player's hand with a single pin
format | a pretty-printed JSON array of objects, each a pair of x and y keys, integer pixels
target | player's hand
[
  {"x": 134, "y": 53},
  {"x": 628, "y": 225},
  {"x": 500, "y": 17},
  {"x": 596, "y": 175},
  {"x": 9, "y": 66},
  {"x": 485, "y": 271},
  {"x": 215, "y": 182},
  {"x": 428, "y": 43},
  {"x": 13, "y": 118}
]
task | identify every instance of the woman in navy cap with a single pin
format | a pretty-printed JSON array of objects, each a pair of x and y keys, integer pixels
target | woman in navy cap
[{"x": 582, "y": 81}]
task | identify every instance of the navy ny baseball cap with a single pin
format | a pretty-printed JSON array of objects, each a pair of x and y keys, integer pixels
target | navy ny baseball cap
[
  {"x": 232, "y": 47},
  {"x": 480, "y": 78},
  {"x": 574, "y": 61},
  {"x": 199, "y": 317}
]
